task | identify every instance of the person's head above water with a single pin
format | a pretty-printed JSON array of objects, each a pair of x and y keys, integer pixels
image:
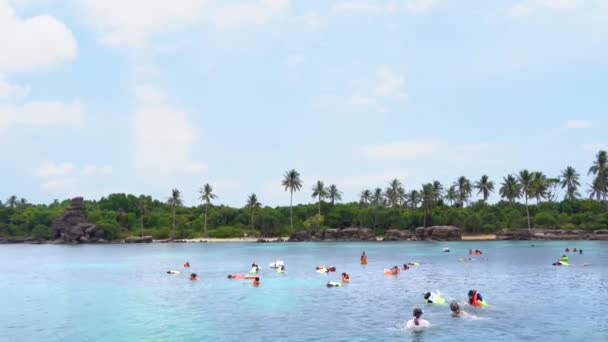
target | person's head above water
[
  {"x": 455, "y": 307},
  {"x": 427, "y": 295},
  {"x": 471, "y": 293}
]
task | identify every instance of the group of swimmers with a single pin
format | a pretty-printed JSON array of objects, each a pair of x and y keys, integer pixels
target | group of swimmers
[
  {"x": 565, "y": 260},
  {"x": 475, "y": 300}
]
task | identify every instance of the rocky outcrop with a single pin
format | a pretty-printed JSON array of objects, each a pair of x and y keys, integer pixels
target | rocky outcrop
[
  {"x": 300, "y": 236},
  {"x": 346, "y": 234},
  {"x": 439, "y": 233},
  {"x": 73, "y": 225},
  {"x": 551, "y": 234},
  {"x": 397, "y": 235},
  {"x": 139, "y": 239}
]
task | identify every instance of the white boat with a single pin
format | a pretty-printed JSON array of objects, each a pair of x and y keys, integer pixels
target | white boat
[
  {"x": 277, "y": 264},
  {"x": 446, "y": 250}
]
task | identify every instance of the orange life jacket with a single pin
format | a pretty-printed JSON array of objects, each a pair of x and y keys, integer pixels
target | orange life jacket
[
  {"x": 475, "y": 300},
  {"x": 346, "y": 278},
  {"x": 363, "y": 259}
]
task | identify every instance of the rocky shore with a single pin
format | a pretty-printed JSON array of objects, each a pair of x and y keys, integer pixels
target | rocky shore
[
  {"x": 551, "y": 234},
  {"x": 435, "y": 233}
]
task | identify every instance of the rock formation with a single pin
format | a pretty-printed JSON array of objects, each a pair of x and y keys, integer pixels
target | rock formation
[
  {"x": 300, "y": 236},
  {"x": 73, "y": 225},
  {"x": 439, "y": 233},
  {"x": 397, "y": 235},
  {"x": 551, "y": 234},
  {"x": 346, "y": 234}
]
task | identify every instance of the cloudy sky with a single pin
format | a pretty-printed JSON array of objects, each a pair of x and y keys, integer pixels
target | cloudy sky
[{"x": 142, "y": 96}]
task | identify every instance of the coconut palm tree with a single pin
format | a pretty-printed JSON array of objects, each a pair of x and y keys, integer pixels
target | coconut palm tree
[
  {"x": 413, "y": 199},
  {"x": 253, "y": 204},
  {"x": 319, "y": 191},
  {"x": 569, "y": 180},
  {"x": 366, "y": 197},
  {"x": 540, "y": 187},
  {"x": 12, "y": 201},
  {"x": 527, "y": 185},
  {"x": 600, "y": 170},
  {"x": 484, "y": 186},
  {"x": 428, "y": 199},
  {"x": 438, "y": 191},
  {"x": 206, "y": 196},
  {"x": 174, "y": 201},
  {"x": 142, "y": 205},
  {"x": 451, "y": 196},
  {"x": 22, "y": 201},
  {"x": 394, "y": 193},
  {"x": 378, "y": 197},
  {"x": 463, "y": 190},
  {"x": 510, "y": 188},
  {"x": 291, "y": 182},
  {"x": 334, "y": 194}
]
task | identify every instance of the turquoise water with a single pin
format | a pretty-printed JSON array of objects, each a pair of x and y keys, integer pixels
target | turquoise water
[{"x": 121, "y": 292}]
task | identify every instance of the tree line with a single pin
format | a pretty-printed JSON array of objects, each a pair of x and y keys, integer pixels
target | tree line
[{"x": 528, "y": 199}]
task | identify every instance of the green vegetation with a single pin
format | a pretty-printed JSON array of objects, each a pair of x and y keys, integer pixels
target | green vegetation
[{"x": 121, "y": 215}]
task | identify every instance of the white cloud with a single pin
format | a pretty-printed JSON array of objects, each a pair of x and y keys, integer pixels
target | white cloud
[
  {"x": 12, "y": 92},
  {"x": 164, "y": 136},
  {"x": 132, "y": 23},
  {"x": 96, "y": 170},
  {"x": 530, "y": 7},
  {"x": 42, "y": 113},
  {"x": 574, "y": 124},
  {"x": 32, "y": 43},
  {"x": 385, "y": 87},
  {"x": 383, "y": 7},
  {"x": 295, "y": 59},
  {"x": 402, "y": 150}
]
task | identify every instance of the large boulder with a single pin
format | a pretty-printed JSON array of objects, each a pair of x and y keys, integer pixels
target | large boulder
[
  {"x": 73, "y": 226},
  {"x": 138, "y": 239},
  {"x": 439, "y": 233},
  {"x": 300, "y": 236},
  {"x": 397, "y": 235}
]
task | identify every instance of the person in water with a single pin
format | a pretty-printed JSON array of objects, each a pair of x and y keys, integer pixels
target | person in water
[
  {"x": 256, "y": 281},
  {"x": 172, "y": 272},
  {"x": 417, "y": 322},
  {"x": 363, "y": 259},
  {"x": 255, "y": 266},
  {"x": 565, "y": 258},
  {"x": 405, "y": 267},
  {"x": 475, "y": 299},
  {"x": 580, "y": 251},
  {"x": 567, "y": 250},
  {"x": 333, "y": 284},
  {"x": 457, "y": 311},
  {"x": 193, "y": 276},
  {"x": 282, "y": 268},
  {"x": 187, "y": 264},
  {"x": 433, "y": 298},
  {"x": 345, "y": 278}
]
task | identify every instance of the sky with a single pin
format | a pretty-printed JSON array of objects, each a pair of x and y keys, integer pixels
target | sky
[{"x": 142, "y": 96}]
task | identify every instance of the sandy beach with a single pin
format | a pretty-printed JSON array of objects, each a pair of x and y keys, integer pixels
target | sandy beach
[{"x": 479, "y": 237}]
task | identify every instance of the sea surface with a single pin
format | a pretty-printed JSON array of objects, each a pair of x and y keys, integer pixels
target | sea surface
[{"x": 122, "y": 292}]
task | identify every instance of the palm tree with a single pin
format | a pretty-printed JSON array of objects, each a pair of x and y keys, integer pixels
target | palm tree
[
  {"x": 451, "y": 196},
  {"x": 142, "y": 205},
  {"x": 438, "y": 191},
  {"x": 394, "y": 193},
  {"x": 378, "y": 197},
  {"x": 206, "y": 195},
  {"x": 569, "y": 180},
  {"x": 291, "y": 182},
  {"x": 600, "y": 170},
  {"x": 12, "y": 201},
  {"x": 55, "y": 202},
  {"x": 366, "y": 197},
  {"x": 22, "y": 201},
  {"x": 510, "y": 188},
  {"x": 413, "y": 199},
  {"x": 174, "y": 201},
  {"x": 252, "y": 204},
  {"x": 319, "y": 191},
  {"x": 541, "y": 185},
  {"x": 484, "y": 186},
  {"x": 527, "y": 184},
  {"x": 334, "y": 194},
  {"x": 463, "y": 190},
  {"x": 428, "y": 199}
]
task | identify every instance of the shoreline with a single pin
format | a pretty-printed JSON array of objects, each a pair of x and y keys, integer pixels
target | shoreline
[{"x": 479, "y": 237}]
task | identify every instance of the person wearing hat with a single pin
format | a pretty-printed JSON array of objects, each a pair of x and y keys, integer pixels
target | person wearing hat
[{"x": 417, "y": 322}]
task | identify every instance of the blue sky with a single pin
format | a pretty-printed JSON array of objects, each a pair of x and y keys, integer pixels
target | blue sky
[{"x": 144, "y": 96}]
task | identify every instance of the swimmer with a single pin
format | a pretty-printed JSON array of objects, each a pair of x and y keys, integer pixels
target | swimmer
[
  {"x": 193, "y": 276},
  {"x": 255, "y": 268},
  {"x": 256, "y": 281},
  {"x": 565, "y": 258},
  {"x": 457, "y": 312},
  {"x": 433, "y": 298},
  {"x": 173, "y": 272},
  {"x": 235, "y": 276},
  {"x": 187, "y": 264},
  {"x": 282, "y": 269},
  {"x": 345, "y": 278},
  {"x": 580, "y": 251},
  {"x": 417, "y": 322},
  {"x": 363, "y": 259},
  {"x": 567, "y": 250},
  {"x": 405, "y": 267},
  {"x": 333, "y": 284},
  {"x": 475, "y": 299}
]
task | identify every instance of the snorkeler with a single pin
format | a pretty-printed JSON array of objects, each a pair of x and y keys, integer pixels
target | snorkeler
[
  {"x": 405, "y": 267},
  {"x": 433, "y": 298},
  {"x": 475, "y": 299},
  {"x": 417, "y": 322}
]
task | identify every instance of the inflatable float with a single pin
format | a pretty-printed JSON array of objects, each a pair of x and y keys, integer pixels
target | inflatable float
[{"x": 391, "y": 272}]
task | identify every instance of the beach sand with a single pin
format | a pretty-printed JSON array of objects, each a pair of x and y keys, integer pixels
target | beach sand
[{"x": 478, "y": 237}]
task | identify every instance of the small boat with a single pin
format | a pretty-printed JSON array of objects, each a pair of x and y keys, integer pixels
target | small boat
[
  {"x": 277, "y": 264},
  {"x": 445, "y": 250}
]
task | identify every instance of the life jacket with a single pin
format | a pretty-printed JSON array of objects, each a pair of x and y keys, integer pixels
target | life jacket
[
  {"x": 567, "y": 249},
  {"x": 435, "y": 299},
  {"x": 363, "y": 259},
  {"x": 476, "y": 302},
  {"x": 346, "y": 278},
  {"x": 565, "y": 259},
  {"x": 256, "y": 283}
]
